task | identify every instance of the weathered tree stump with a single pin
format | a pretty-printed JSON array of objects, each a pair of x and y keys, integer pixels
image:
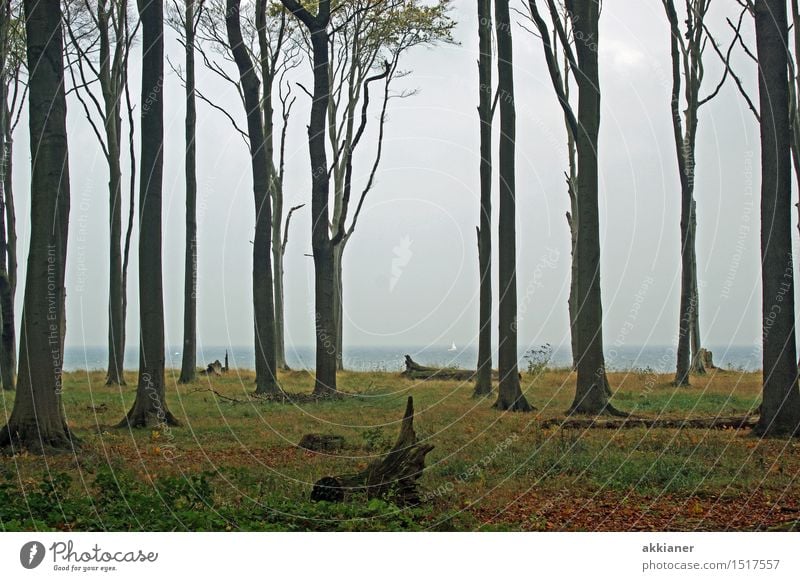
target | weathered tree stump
[
  {"x": 322, "y": 442},
  {"x": 416, "y": 371},
  {"x": 214, "y": 368},
  {"x": 393, "y": 476},
  {"x": 706, "y": 358}
]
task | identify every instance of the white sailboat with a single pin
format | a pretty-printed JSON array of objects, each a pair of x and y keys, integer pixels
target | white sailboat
[{"x": 453, "y": 347}]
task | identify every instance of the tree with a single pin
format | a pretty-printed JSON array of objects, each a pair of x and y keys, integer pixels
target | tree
[
  {"x": 12, "y": 97},
  {"x": 686, "y": 49},
  {"x": 37, "y": 421},
  {"x": 100, "y": 42},
  {"x": 592, "y": 390},
  {"x": 555, "y": 46},
  {"x": 189, "y": 19},
  {"x": 270, "y": 44},
  {"x": 263, "y": 303},
  {"x": 322, "y": 246},
  {"x": 780, "y": 406},
  {"x": 510, "y": 396},
  {"x": 150, "y": 407},
  {"x": 369, "y": 39},
  {"x": 483, "y": 379}
]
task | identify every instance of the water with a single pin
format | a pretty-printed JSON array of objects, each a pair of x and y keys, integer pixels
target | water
[{"x": 658, "y": 358}]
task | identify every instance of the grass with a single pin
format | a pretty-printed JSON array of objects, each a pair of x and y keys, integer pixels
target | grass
[{"x": 235, "y": 466}]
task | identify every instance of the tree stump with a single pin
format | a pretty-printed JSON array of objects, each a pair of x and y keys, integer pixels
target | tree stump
[
  {"x": 214, "y": 368},
  {"x": 321, "y": 442},
  {"x": 392, "y": 477},
  {"x": 707, "y": 358}
]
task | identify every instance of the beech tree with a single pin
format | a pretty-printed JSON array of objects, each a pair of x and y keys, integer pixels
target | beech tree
[
  {"x": 687, "y": 46},
  {"x": 12, "y": 96},
  {"x": 322, "y": 245},
  {"x": 483, "y": 377},
  {"x": 510, "y": 396},
  {"x": 100, "y": 41},
  {"x": 780, "y": 405},
  {"x": 268, "y": 35},
  {"x": 37, "y": 421},
  {"x": 561, "y": 77},
  {"x": 263, "y": 302},
  {"x": 186, "y": 19},
  {"x": 369, "y": 38},
  {"x": 150, "y": 407}
]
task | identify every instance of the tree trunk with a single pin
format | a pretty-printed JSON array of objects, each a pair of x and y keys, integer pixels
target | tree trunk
[
  {"x": 780, "y": 406},
  {"x": 277, "y": 281},
  {"x": 189, "y": 354},
  {"x": 510, "y": 396},
  {"x": 37, "y": 420},
  {"x": 150, "y": 407},
  {"x": 591, "y": 393},
  {"x": 8, "y": 278},
  {"x": 686, "y": 311},
  {"x": 8, "y": 251},
  {"x": 263, "y": 304},
  {"x": 324, "y": 288},
  {"x": 338, "y": 301},
  {"x": 483, "y": 382},
  {"x": 698, "y": 366},
  {"x": 107, "y": 75},
  {"x": 116, "y": 338}
]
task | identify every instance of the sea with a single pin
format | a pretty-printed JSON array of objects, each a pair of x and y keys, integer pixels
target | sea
[{"x": 374, "y": 358}]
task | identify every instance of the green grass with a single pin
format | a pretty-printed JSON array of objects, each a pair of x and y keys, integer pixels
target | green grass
[{"x": 235, "y": 466}]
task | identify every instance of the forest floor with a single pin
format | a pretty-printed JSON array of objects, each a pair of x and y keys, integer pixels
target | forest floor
[{"x": 234, "y": 464}]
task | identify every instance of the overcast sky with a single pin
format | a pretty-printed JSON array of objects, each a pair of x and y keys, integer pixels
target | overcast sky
[{"x": 424, "y": 207}]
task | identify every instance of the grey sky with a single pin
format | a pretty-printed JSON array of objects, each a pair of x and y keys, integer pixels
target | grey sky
[{"x": 411, "y": 267}]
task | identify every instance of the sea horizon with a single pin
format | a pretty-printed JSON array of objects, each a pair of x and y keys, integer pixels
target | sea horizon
[{"x": 659, "y": 358}]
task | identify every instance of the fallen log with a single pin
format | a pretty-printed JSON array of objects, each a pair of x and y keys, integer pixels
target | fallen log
[
  {"x": 416, "y": 371},
  {"x": 392, "y": 477},
  {"x": 734, "y": 423}
]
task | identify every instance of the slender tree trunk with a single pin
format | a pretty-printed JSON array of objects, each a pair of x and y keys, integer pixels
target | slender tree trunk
[
  {"x": 116, "y": 326},
  {"x": 189, "y": 354},
  {"x": 111, "y": 91},
  {"x": 37, "y": 420},
  {"x": 591, "y": 394},
  {"x": 780, "y": 406},
  {"x": 263, "y": 304},
  {"x": 483, "y": 378},
  {"x": 150, "y": 407},
  {"x": 698, "y": 367},
  {"x": 8, "y": 251},
  {"x": 277, "y": 280},
  {"x": 324, "y": 274},
  {"x": 510, "y": 395},
  {"x": 338, "y": 300},
  {"x": 572, "y": 222},
  {"x": 8, "y": 290}
]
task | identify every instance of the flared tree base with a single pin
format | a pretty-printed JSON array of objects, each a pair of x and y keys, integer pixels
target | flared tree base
[
  {"x": 518, "y": 404},
  {"x": 591, "y": 410},
  {"x": 148, "y": 419},
  {"x": 16, "y": 437}
]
